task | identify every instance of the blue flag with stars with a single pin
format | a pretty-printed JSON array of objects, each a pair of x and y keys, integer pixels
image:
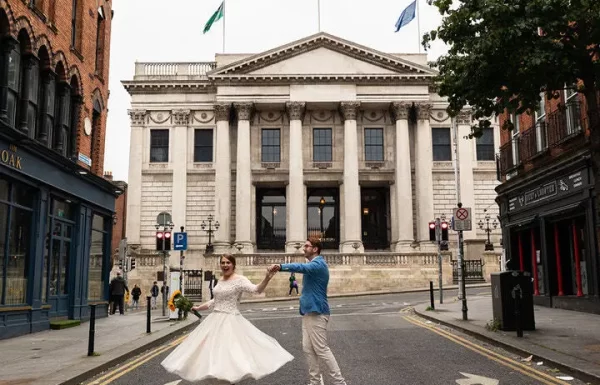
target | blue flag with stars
[{"x": 407, "y": 15}]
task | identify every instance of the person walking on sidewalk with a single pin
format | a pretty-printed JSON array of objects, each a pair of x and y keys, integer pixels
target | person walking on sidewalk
[
  {"x": 154, "y": 291},
  {"x": 118, "y": 287},
  {"x": 136, "y": 293},
  {"x": 314, "y": 309}
]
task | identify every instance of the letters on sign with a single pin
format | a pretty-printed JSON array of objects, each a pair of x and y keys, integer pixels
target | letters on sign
[{"x": 10, "y": 158}]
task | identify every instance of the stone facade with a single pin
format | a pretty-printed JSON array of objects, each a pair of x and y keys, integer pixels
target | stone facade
[{"x": 251, "y": 137}]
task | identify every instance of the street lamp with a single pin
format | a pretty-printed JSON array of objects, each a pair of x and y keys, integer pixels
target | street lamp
[
  {"x": 486, "y": 227},
  {"x": 210, "y": 231},
  {"x": 167, "y": 228},
  {"x": 321, "y": 206}
]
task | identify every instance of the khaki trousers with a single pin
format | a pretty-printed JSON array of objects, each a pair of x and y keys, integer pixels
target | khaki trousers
[{"x": 316, "y": 348}]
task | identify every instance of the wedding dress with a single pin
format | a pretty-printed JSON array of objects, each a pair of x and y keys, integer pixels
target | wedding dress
[{"x": 226, "y": 346}]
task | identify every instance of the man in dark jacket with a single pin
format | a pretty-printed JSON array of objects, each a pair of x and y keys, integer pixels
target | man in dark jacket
[
  {"x": 154, "y": 291},
  {"x": 118, "y": 287}
]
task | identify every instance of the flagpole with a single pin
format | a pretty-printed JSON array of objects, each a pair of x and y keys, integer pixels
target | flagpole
[
  {"x": 418, "y": 27},
  {"x": 224, "y": 26},
  {"x": 319, "y": 14}
]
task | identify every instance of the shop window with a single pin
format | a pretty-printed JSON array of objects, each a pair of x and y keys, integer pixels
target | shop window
[
  {"x": 373, "y": 144},
  {"x": 442, "y": 148},
  {"x": 96, "y": 263},
  {"x": 322, "y": 145},
  {"x": 159, "y": 146},
  {"x": 270, "y": 145},
  {"x": 485, "y": 145},
  {"x": 57, "y": 257},
  {"x": 15, "y": 242},
  {"x": 203, "y": 145}
]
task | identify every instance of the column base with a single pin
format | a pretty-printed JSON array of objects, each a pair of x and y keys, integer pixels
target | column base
[
  {"x": 352, "y": 247},
  {"x": 243, "y": 247},
  {"x": 404, "y": 246},
  {"x": 294, "y": 247}
]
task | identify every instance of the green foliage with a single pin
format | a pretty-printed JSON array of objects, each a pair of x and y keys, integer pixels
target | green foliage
[
  {"x": 64, "y": 324},
  {"x": 497, "y": 59},
  {"x": 493, "y": 326},
  {"x": 183, "y": 304}
]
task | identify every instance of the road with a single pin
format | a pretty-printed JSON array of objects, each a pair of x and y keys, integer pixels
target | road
[{"x": 377, "y": 341}]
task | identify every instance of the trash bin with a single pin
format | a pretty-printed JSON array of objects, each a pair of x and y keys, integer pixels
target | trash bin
[{"x": 509, "y": 290}]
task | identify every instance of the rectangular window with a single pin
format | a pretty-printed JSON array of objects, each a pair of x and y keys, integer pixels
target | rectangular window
[
  {"x": 100, "y": 32},
  {"x": 14, "y": 84},
  {"x": 322, "y": 145},
  {"x": 203, "y": 145},
  {"x": 97, "y": 252},
  {"x": 270, "y": 145},
  {"x": 442, "y": 145},
  {"x": 159, "y": 146},
  {"x": 485, "y": 145},
  {"x": 374, "y": 144}
]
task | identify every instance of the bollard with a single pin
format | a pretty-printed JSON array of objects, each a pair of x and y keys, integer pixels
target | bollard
[
  {"x": 148, "y": 313},
  {"x": 431, "y": 295},
  {"x": 92, "y": 330}
]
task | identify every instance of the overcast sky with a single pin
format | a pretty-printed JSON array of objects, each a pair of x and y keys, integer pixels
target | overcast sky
[{"x": 164, "y": 31}]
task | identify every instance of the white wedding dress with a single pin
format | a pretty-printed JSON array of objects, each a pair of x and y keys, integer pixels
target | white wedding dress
[{"x": 226, "y": 346}]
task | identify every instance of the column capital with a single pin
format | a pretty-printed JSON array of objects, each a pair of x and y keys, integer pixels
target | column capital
[
  {"x": 244, "y": 110},
  {"x": 349, "y": 109},
  {"x": 222, "y": 111},
  {"x": 181, "y": 117},
  {"x": 137, "y": 117},
  {"x": 423, "y": 110},
  {"x": 400, "y": 110},
  {"x": 295, "y": 110},
  {"x": 464, "y": 117}
]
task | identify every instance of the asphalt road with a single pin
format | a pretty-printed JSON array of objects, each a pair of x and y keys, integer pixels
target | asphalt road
[{"x": 376, "y": 340}]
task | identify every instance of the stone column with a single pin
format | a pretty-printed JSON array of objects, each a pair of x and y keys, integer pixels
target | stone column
[
  {"x": 222, "y": 237},
  {"x": 181, "y": 121},
  {"x": 134, "y": 180},
  {"x": 403, "y": 215},
  {"x": 466, "y": 158},
  {"x": 423, "y": 174},
  {"x": 351, "y": 201},
  {"x": 243, "y": 179},
  {"x": 295, "y": 196}
]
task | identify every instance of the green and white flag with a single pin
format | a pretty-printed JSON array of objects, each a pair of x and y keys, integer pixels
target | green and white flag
[{"x": 218, "y": 15}]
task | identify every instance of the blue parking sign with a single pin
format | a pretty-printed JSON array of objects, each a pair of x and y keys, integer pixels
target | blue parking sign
[{"x": 179, "y": 241}]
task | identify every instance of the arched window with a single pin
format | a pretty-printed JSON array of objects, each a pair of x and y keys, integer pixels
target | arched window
[
  {"x": 13, "y": 84},
  {"x": 74, "y": 114},
  {"x": 62, "y": 122},
  {"x": 100, "y": 33},
  {"x": 96, "y": 125}
]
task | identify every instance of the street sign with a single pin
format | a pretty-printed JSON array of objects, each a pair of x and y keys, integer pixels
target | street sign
[
  {"x": 179, "y": 241},
  {"x": 462, "y": 219}
]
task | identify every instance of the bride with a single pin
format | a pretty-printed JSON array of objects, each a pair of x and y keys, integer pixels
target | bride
[{"x": 226, "y": 346}]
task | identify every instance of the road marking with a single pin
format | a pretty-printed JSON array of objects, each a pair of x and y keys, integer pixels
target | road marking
[
  {"x": 473, "y": 379},
  {"x": 521, "y": 368},
  {"x": 174, "y": 382}
]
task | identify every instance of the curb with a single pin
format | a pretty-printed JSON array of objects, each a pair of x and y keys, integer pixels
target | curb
[
  {"x": 81, "y": 377},
  {"x": 367, "y": 293},
  {"x": 567, "y": 369}
]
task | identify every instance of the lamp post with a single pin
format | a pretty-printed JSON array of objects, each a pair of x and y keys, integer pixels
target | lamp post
[
  {"x": 167, "y": 226},
  {"x": 486, "y": 227},
  {"x": 210, "y": 231},
  {"x": 321, "y": 206}
]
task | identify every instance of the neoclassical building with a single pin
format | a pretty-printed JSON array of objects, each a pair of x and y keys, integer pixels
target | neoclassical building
[{"x": 321, "y": 136}]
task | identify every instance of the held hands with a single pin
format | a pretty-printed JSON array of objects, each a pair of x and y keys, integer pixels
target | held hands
[{"x": 273, "y": 268}]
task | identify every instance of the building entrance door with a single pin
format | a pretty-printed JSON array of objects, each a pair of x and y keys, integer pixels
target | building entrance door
[
  {"x": 59, "y": 249},
  {"x": 323, "y": 218},
  {"x": 375, "y": 218}
]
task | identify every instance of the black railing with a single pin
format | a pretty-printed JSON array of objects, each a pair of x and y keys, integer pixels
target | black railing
[
  {"x": 473, "y": 271},
  {"x": 192, "y": 279},
  {"x": 564, "y": 123},
  {"x": 509, "y": 155}
]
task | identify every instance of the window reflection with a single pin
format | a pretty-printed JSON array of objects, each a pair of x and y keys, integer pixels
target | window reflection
[{"x": 96, "y": 263}]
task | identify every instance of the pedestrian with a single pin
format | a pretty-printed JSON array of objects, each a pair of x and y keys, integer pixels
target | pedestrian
[
  {"x": 154, "y": 292},
  {"x": 226, "y": 346},
  {"x": 293, "y": 284},
  {"x": 118, "y": 287},
  {"x": 314, "y": 309},
  {"x": 136, "y": 293}
]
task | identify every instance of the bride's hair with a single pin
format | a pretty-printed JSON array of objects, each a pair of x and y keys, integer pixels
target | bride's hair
[{"x": 230, "y": 258}]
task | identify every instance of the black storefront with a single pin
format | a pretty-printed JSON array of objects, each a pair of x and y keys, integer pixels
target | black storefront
[
  {"x": 548, "y": 230},
  {"x": 55, "y": 231}
]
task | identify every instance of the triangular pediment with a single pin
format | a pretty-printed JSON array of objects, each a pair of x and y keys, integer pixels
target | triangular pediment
[{"x": 322, "y": 55}]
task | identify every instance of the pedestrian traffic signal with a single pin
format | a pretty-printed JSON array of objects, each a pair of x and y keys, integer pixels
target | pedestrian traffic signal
[
  {"x": 159, "y": 240},
  {"x": 167, "y": 241},
  {"x": 444, "y": 226},
  {"x": 432, "y": 231},
  {"x": 132, "y": 263},
  {"x": 121, "y": 264}
]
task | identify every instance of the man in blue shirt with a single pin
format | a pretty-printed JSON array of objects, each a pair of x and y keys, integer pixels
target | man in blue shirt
[{"x": 315, "y": 311}]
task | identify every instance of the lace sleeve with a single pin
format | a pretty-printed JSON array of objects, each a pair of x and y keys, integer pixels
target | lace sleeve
[
  {"x": 247, "y": 286},
  {"x": 211, "y": 304}
]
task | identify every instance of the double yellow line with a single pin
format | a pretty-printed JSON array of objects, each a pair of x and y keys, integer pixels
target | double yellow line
[
  {"x": 528, "y": 371},
  {"x": 133, "y": 364}
]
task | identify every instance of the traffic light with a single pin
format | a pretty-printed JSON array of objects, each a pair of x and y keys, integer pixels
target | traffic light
[
  {"x": 159, "y": 240},
  {"x": 120, "y": 264},
  {"x": 432, "y": 231},
  {"x": 132, "y": 263},
  {"x": 167, "y": 241},
  {"x": 444, "y": 226}
]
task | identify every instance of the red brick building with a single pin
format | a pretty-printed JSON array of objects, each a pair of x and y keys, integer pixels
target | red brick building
[
  {"x": 547, "y": 202},
  {"x": 56, "y": 209}
]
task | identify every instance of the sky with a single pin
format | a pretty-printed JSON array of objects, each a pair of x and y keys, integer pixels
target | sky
[{"x": 171, "y": 31}]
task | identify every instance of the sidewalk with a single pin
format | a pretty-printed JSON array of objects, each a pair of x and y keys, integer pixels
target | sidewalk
[
  {"x": 60, "y": 356},
  {"x": 567, "y": 340}
]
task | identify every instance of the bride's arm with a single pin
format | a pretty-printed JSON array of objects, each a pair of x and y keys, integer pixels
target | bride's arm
[
  {"x": 263, "y": 285},
  {"x": 204, "y": 306}
]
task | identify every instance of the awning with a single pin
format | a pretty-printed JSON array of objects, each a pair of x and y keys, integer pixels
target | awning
[{"x": 561, "y": 210}]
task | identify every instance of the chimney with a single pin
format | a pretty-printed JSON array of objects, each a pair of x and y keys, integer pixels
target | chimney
[{"x": 108, "y": 175}]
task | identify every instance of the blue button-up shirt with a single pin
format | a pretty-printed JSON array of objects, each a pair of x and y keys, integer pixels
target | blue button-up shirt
[{"x": 314, "y": 284}]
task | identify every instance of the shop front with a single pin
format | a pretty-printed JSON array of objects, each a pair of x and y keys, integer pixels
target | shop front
[
  {"x": 55, "y": 231},
  {"x": 548, "y": 231}
]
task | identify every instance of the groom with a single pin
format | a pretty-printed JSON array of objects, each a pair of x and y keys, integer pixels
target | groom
[{"x": 315, "y": 311}]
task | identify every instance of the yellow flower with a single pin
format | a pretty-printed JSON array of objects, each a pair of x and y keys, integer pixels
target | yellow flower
[{"x": 171, "y": 302}]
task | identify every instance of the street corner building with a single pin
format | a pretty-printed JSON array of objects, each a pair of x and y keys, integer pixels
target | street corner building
[
  {"x": 547, "y": 202},
  {"x": 320, "y": 137},
  {"x": 55, "y": 208}
]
